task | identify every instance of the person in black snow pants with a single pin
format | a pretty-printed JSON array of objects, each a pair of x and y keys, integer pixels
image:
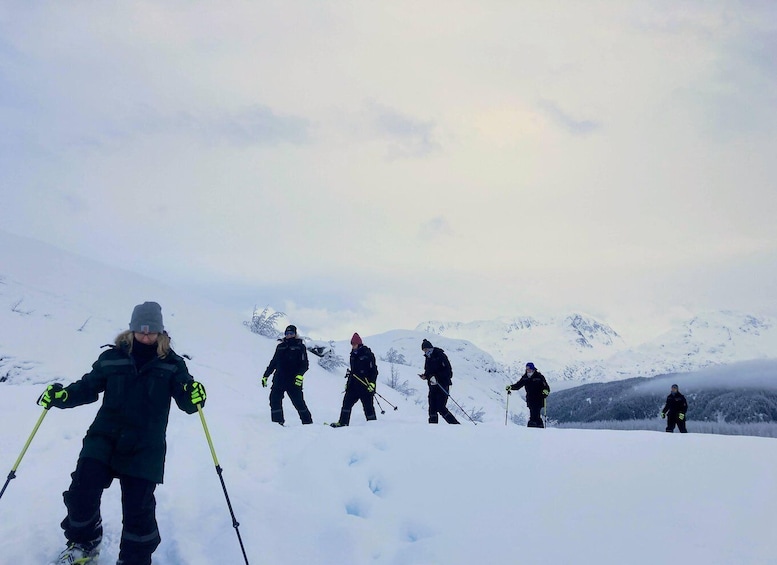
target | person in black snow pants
[
  {"x": 438, "y": 374},
  {"x": 674, "y": 411},
  {"x": 138, "y": 375},
  {"x": 536, "y": 390},
  {"x": 360, "y": 384},
  {"x": 290, "y": 363}
]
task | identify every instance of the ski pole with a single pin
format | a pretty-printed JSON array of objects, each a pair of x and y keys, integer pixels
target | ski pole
[
  {"x": 235, "y": 524},
  {"x": 12, "y": 474},
  {"x": 386, "y": 401},
  {"x": 382, "y": 411},
  {"x": 456, "y": 403},
  {"x": 362, "y": 381},
  {"x": 545, "y": 408},
  {"x": 507, "y": 406}
]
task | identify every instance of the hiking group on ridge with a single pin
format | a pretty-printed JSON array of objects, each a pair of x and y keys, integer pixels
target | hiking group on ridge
[{"x": 139, "y": 375}]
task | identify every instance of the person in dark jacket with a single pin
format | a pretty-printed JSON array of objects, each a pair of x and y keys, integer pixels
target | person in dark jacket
[
  {"x": 138, "y": 375},
  {"x": 360, "y": 384},
  {"x": 438, "y": 374},
  {"x": 290, "y": 363},
  {"x": 674, "y": 411},
  {"x": 537, "y": 390}
]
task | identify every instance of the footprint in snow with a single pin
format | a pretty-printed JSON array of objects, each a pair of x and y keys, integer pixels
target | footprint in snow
[
  {"x": 356, "y": 508},
  {"x": 377, "y": 486}
]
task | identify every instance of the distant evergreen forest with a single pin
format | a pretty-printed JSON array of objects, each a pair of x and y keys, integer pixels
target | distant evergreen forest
[{"x": 642, "y": 398}]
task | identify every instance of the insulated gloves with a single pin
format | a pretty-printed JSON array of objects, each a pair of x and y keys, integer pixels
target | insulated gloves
[
  {"x": 680, "y": 416},
  {"x": 197, "y": 392},
  {"x": 54, "y": 395},
  {"x": 297, "y": 380},
  {"x": 545, "y": 392},
  {"x": 370, "y": 387}
]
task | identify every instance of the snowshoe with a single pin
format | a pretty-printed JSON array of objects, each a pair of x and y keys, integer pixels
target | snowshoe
[{"x": 78, "y": 554}]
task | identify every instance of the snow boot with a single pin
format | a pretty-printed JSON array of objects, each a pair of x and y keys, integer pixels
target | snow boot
[{"x": 79, "y": 554}]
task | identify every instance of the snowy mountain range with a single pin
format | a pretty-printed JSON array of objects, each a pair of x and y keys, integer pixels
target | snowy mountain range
[
  {"x": 579, "y": 348},
  {"x": 37, "y": 280}
]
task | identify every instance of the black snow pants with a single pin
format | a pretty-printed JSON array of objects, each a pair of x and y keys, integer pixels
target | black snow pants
[
  {"x": 296, "y": 397},
  {"x": 438, "y": 399},
  {"x": 535, "y": 416},
  {"x": 353, "y": 394},
  {"x": 672, "y": 420},
  {"x": 83, "y": 523}
]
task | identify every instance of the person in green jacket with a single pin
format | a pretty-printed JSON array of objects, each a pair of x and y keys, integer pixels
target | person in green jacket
[{"x": 138, "y": 376}]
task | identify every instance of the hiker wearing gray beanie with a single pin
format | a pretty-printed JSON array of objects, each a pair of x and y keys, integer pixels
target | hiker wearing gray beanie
[
  {"x": 139, "y": 376},
  {"x": 147, "y": 318}
]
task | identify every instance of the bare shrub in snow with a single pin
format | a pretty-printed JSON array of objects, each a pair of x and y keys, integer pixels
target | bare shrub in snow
[
  {"x": 330, "y": 360},
  {"x": 263, "y": 323},
  {"x": 401, "y": 386}
]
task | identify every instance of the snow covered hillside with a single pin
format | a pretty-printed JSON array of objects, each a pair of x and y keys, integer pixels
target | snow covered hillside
[
  {"x": 712, "y": 338},
  {"x": 564, "y": 348},
  {"x": 578, "y": 348},
  {"x": 395, "y": 492}
]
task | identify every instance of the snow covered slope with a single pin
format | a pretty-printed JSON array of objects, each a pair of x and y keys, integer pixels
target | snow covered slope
[{"x": 394, "y": 492}]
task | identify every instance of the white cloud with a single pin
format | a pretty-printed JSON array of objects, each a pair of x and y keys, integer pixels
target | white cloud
[{"x": 544, "y": 154}]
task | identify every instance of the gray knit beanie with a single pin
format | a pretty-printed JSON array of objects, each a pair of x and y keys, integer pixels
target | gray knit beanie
[{"x": 147, "y": 318}]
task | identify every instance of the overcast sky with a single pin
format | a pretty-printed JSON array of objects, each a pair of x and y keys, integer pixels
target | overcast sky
[{"x": 372, "y": 165}]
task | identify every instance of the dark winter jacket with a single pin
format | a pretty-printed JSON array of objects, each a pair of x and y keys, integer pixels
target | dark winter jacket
[
  {"x": 290, "y": 360},
  {"x": 129, "y": 430},
  {"x": 534, "y": 386},
  {"x": 675, "y": 404},
  {"x": 438, "y": 366},
  {"x": 363, "y": 365}
]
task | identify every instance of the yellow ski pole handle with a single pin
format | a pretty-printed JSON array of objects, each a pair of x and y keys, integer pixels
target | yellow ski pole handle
[
  {"x": 219, "y": 470},
  {"x": 29, "y": 440},
  {"x": 207, "y": 435},
  {"x": 358, "y": 378},
  {"x": 367, "y": 385},
  {"x": 12, "y": 474}
]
